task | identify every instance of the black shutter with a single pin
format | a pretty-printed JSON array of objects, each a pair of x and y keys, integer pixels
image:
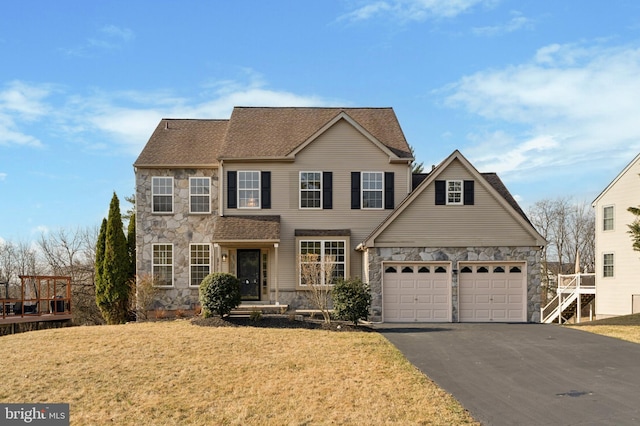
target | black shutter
[
  {"x": 441, "y": 192},
  {"x": 232, "y": 194},
  {"x": 468, "y": 192},
  {"x": 327, "y": 190},
  {"x": 265, "y": 190},
  {"x": 389, "y": 202},
  {"x": 355, "y": 190}
]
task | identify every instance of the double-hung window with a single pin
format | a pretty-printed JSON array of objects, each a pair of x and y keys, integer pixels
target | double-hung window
[
  {"x": 372, "y": 190},
  {"x": 607, "y": 218},
  {"x": 199, "y": 263},
  {"x": 310, "y": 190},
  {"x": 607, "y": 265},
  {"x": 322, "y": 262},
  {"x": 162, "y": 194},
  {"x": 163, "y": 265},
  {"x": 454, "y": 192},
  {"x": 249, "y": 189},
  {"x": 200, "y": 195}
]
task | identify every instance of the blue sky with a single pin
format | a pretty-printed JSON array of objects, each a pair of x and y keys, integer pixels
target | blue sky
[{"x": 545, "y": 93}]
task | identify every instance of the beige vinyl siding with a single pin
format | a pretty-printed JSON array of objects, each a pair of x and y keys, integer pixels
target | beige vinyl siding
[
  {"x": 614, "y": 294},
  {"x": 486, "y": 223},
  {"x": 333, "y": 151}
]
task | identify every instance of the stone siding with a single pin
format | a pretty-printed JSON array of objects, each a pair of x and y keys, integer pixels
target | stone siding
[
  {"x": 179, "y": 228},
  {"x": 530, "y": 255}
]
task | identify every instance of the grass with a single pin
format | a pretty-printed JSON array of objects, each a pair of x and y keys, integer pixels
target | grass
[
  {"x": 626, "y": 327},
  {"x": 175, "y": 373}
]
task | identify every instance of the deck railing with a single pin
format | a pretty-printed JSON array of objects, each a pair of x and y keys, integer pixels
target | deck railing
[
  {"x": 570, "y": 289},
  {"x": 39, "y": 295}
]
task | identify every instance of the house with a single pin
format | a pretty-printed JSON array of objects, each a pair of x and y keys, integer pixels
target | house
[
  {"x": 250, "y": 195},
  {"x": 617, "y": 264}
]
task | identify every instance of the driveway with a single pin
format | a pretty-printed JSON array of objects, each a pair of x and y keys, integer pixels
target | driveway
[{"x": 527, "y": 374}]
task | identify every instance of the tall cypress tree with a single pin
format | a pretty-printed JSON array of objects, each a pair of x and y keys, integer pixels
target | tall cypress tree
[
  {"x": 99, "y": 263},
  {"x": 131, "y": 245},
  {"x": 113, "y": 299}
]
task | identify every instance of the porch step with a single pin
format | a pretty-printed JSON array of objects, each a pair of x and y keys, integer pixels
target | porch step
[{"x": 246, "y": 309}]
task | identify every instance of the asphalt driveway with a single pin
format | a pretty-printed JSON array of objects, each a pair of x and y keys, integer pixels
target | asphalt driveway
[{"x": 527, "y": 374}]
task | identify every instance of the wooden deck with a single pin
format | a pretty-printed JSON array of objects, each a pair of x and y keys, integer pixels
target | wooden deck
[{"x": 21, "y": 319}]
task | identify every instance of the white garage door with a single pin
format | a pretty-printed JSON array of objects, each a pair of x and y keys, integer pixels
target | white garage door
[
  {"x": 416, "y": 292},
  {"x": 492, "y": 292}
]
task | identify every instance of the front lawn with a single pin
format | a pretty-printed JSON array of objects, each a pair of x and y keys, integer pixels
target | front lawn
[
  {"x": 626, "y": 327},
  {"x": 176, "y": 373}
]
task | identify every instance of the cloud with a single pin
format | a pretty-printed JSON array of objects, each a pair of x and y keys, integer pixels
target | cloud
[
  {"x": 570, "y": 105},
  {"x": 517, "y": 22},
  {"x": 3, "y": 176},
  {"x": 413, "y": 10},
  {"x": 121, "y": 122},
  {"x": 109, "y": 37},
  {"x": 21, "y": 104}
]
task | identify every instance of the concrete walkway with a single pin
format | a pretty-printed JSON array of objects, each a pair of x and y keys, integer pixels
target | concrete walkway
[{"x": 527, "y": 374}]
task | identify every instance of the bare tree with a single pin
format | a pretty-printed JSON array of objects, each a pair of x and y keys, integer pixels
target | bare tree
[
  {"x": 569, "y": 229},
  {"x": 72, "y": 253},
  {"x": 317, "y": 275}
]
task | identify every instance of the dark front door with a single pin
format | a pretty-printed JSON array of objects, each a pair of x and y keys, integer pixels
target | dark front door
[{"x": 249, "y": 274}]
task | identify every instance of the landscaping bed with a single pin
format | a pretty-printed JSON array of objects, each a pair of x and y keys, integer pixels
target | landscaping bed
[{"x": 278, "y": 321}]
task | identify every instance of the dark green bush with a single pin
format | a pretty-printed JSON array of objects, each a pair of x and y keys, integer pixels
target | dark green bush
[
  {"x": 219, "y": 293},
  {"x": 351, "y": 300}
]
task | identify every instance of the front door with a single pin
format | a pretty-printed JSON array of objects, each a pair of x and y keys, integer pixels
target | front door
[{"x": 249, "y": 274}]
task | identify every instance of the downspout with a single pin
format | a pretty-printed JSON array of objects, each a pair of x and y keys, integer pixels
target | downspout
[
  {"x": 275, "y": 246},
  {"x": 221, "y": 189}
]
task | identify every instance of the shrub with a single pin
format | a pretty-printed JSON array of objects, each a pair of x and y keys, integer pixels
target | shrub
[
  {"x": 351, "y": 300},
  {"x": 255, "y": 316},
  {"x": 219, "y": 293}
]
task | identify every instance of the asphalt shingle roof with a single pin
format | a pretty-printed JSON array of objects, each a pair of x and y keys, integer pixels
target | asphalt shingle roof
[{"x": 239, "y": 228}]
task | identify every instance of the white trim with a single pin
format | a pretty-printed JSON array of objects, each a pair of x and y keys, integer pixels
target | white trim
[
  {"x": 613, "y": 218},
  {"x": 448, "y": 192},
  {"x": 208, "y": 195},
  {"x": 172, "y": 264},
  {"x": 191, "y": 264},
  {"x": 153, "y": 194},
  {"x": 320, "y": 190},
  {"x": 381, "y": 190},
  {"x": 259, "y": 189},
  {"x": 613, "y": 264}
]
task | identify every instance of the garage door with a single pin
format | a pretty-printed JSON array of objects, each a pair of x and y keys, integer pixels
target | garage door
[
  {"x": 492, "y": 292},
  {"x": 418, "y": 292}
]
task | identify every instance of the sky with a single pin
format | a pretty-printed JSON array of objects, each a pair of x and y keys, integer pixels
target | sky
[{"x": 546, "y": 93}]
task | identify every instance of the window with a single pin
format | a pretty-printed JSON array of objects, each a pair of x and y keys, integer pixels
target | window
[
  {"x": 607, "y": 218},
  {"x": 407, "y": 270},
  {"x": 163, "y": 264},
  {"x": 607, "y": 265},
  {"x": 199, "y": 263},
  {"x": 162, "y": 194},
  {"x": 249, "y": 190},
  {"x": 199, "y": 195},
  {"x": 372, "y": 187},
  {"x": 454, "y": 192},
  {"x": 322, "y": 261},
  {"x": 310, "y": 190}
]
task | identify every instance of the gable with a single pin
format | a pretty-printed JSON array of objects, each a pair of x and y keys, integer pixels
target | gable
[
  {"x": 279, "y": 132},
  {"x": 422, "y": 222},
  {"x": 632, "y": 169}
]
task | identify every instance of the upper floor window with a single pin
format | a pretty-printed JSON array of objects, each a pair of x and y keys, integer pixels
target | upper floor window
[
  {"x": 372, "y": 190},
  {"x": 607, "y": 265},
  {"x": 607, "y": 218},
  {"x": 454, "y": 192},
  {"x": 200, "y": 195},
  {"x": 322, "y": 262},
  {"x": 200, "y": 263},
  {"x": 310, "y": 190},
  {"x": 162, "y": 268},
  {"x": 249, "y": 190},
  {"x": 162, "y": 194}
]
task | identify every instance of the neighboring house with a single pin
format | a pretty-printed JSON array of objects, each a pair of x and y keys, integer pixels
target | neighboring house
[
  {"x": 617, "y": 264},
  {"x": 251, "y": 194}
]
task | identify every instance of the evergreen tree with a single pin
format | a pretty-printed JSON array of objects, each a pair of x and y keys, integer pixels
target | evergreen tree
[
  {"x": 113, "y": 296},
  {"x": 634, "y": 228},
  {"x": 131, "y": 245},
  {"x": 99, "y": 263}
]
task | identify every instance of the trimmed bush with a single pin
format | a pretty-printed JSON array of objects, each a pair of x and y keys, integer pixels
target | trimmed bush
[
  {"x": 219, "y": 294},
  {"x": 351, "y": 300}
]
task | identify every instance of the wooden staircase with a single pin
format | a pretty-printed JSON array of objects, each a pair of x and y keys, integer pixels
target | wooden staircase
[{"x": 574, "y": 293}]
